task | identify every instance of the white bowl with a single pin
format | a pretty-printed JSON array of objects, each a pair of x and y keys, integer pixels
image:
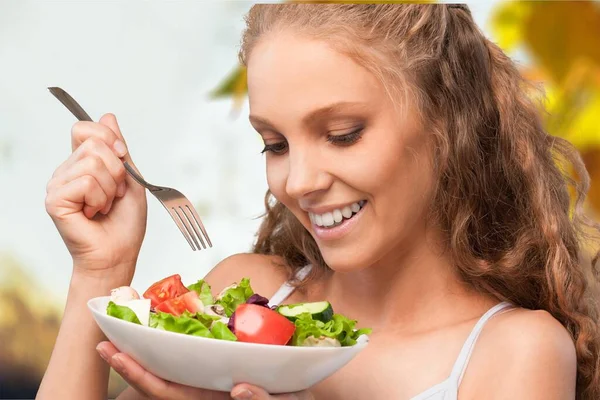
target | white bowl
[{"x": 220, "y": 364}]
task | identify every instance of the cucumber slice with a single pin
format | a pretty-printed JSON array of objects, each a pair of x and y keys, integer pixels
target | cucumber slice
[{"x": 320, "y": 310}]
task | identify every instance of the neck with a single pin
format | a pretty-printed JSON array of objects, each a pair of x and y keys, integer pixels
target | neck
[{"x": 410, "y": 291}]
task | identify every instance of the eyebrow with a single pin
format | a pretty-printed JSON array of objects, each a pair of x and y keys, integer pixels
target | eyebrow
[{"x": 316, "y": 115}]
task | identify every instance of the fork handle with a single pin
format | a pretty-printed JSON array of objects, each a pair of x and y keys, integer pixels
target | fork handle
[
  {"x": 139, "y": 179},
  {"x": 70, "y": 103},
  {"x": 79, "y": 113}
]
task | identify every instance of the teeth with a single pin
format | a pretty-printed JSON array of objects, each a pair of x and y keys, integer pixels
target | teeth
[
  {"x": 335, "y": 217},
  {"x": 346, "y": 212},
  {"x": 318, "y": 220},
  {"x": 327, "y": 219}
]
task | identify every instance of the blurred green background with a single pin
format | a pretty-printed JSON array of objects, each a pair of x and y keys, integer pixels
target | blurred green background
[{"x": 169, "y": 71}]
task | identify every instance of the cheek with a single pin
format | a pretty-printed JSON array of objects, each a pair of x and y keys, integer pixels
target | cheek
[
  {"x": 408, "y": 195},
  {"x": 277, "y": 178},
  {"x": 401, "y": 177},
  {"x": 385, "y": 166}
]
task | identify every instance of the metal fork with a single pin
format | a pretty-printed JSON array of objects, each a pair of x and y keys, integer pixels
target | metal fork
[{"x": 179, "y": 207}]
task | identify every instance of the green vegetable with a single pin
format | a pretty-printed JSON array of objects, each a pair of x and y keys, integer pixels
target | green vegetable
[
  {"x": 203, "y": 290},
  {"x": 122, "y": 312},
  {"x": 339, "y": 327},
  {"x": 206, "y": 319},
  {"x": 320, "y": 310},
  {"x": 235, "y": 295},
  {"x": 183, "y": 324},
  {"x": 192, "y": 324},
  {"x": 221, "y": 331}
]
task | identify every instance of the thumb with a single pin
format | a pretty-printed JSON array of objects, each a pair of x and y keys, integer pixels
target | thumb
[
  {"x": 256, "y": 393},
  {"x": 110, "y": 120}
]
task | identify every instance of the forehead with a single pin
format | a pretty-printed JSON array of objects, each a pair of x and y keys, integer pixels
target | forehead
[{"x": 289, "y": 74}]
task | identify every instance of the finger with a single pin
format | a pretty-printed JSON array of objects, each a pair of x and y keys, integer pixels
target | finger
[
  {"x": 83, "y": 130},
  {"x": 83, "y": 193},
  {"x": 110, "y": 121},
  {"x": 92, "y": 147},
  {"x": 107, "y": 350},
  {"x": 132, "y": 393},
  {"x": 153, "y": 386},
  {"x": 249, "y": 392},
  {"x": 94, "y": 166}
]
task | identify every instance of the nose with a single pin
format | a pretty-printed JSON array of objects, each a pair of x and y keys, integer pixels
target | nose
[{"x": 307, "y": 174}]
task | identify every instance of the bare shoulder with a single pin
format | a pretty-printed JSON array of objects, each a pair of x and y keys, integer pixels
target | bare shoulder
[
  {"x": 533, "y": 357},
  {"x": 266, "y": 273}
]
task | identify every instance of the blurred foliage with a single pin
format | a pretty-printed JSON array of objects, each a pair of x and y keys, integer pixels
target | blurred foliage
[
  {"x": 28, "y": 329},
  {"x": 234, "y": 86},
  {"x": 563, "y": 41}
]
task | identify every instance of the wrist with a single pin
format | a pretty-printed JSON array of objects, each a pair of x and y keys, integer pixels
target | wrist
[{"x": 99, "y": 282}]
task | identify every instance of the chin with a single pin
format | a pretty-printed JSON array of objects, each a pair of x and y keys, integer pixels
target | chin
[{"x": 345, "y": 260}]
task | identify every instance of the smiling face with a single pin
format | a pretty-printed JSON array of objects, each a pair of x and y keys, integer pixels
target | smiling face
[{"x": 339, "y": 155}]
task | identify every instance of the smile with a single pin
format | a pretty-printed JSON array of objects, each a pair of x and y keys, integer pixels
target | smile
[{"x": 338, "y": 216}]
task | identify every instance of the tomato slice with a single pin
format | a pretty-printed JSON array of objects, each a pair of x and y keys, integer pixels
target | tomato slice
[
  {"x": 178, "y": 305},
  {"x": 258, "y": 324},
  {"x": 165, "y": 289}
]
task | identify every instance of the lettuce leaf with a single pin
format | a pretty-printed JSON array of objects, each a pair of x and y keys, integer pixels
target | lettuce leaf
[
  {"x": 203, "y": 289},
  {"x": 183, "y": 324},
  {"x": 192, "y": 324},
  {"x": 206, "y": 319},
  {"x": 339, "y": 327},
  {"x": 235, "y": 295},
  {"x": 122, "y": 312},
  {"x": 221, "y": 331}
]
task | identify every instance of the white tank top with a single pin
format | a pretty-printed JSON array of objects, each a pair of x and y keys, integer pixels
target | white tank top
[{"x": 448, "y": 388}]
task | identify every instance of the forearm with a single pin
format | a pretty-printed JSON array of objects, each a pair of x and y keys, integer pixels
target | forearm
[{"x": 75, "y": 369}]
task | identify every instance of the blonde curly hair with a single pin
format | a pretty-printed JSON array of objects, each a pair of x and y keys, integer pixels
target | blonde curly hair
[{"x": 502, "y": 196}]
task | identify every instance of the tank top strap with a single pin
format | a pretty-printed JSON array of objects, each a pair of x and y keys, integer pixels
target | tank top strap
[
  {"x": 460, "y": 366},
  {"x": 286, "y": 289}
]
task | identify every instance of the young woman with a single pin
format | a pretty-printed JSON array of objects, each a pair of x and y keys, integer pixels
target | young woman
[{"x": 407, "y": 165}]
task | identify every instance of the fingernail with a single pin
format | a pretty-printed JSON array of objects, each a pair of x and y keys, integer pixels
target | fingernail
[
  {"x": 243, "y": 394},
  {"x": 117, "y": 364},
  {"x": 121, "y": 189},
  {"x": 120, "y": 148},
  {"x": 102, "y": 353}
]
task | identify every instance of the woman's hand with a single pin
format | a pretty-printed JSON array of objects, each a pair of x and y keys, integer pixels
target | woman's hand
[
  {"x": 98, "y": 209},
  {"x": 149, "y": 386}
]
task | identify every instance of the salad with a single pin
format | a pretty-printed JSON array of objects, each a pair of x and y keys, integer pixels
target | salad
[{"x": 236, "y": 314}]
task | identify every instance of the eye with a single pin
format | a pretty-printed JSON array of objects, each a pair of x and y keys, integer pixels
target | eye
[
  {"x": 346, "y": 139},
  {"x": 276, "y": 148}
]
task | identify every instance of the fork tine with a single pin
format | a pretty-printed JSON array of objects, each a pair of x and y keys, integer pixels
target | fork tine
[
  {"x": 193, "y": 225},
  {"x": 199, "y": 222},
  {"x": 181, "y": 227},
  {"x": 189, "y": 230}
]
